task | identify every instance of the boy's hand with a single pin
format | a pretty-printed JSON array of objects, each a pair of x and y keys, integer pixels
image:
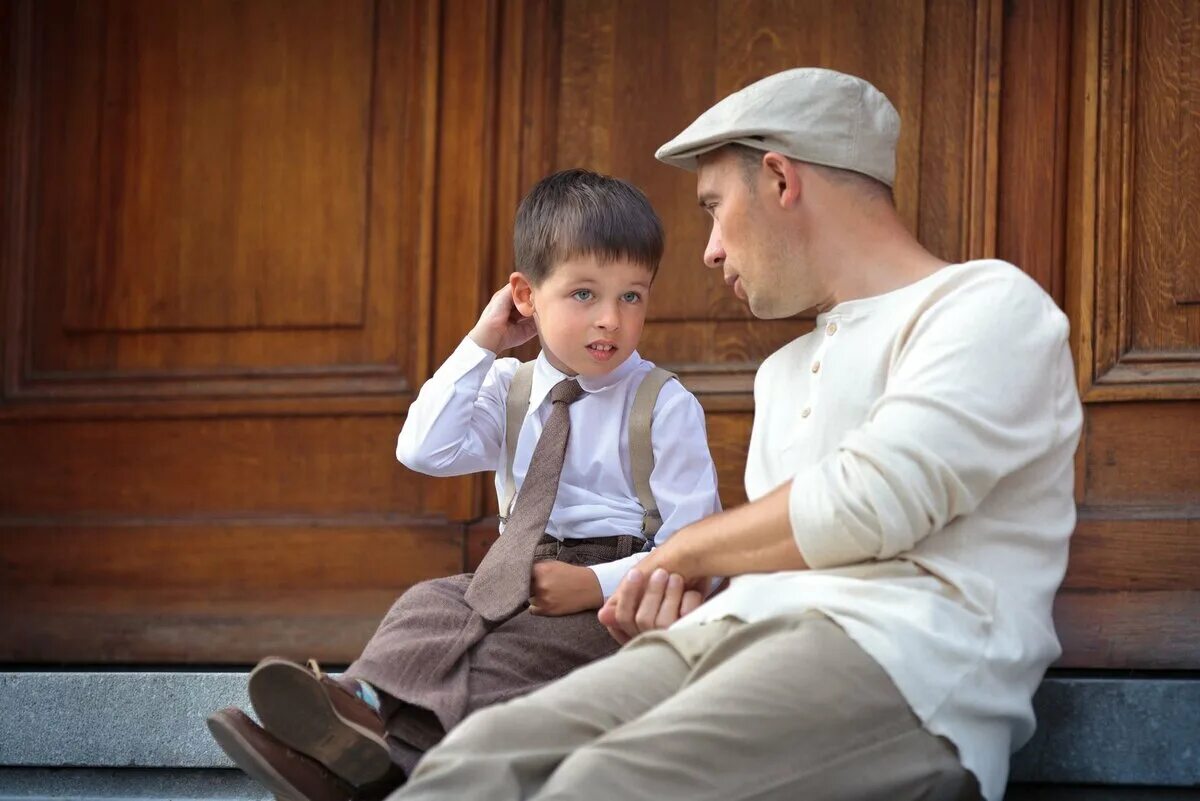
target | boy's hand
[
  {"x": 501, "y": 326},
  {"x": 557, "y": 588}
]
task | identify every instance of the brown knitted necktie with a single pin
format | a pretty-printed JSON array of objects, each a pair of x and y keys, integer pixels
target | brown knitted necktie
[{"x": 501, "y": 584}]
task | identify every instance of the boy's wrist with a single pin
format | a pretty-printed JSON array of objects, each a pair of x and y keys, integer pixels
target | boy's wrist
[
  {"x": 485, "y": 339},
  {"x": 591, "y": 593}
]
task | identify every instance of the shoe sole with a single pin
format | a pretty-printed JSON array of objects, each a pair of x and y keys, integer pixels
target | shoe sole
[
  {"x": 243, "y": 754},
  {"x": 292, "y": 705}
]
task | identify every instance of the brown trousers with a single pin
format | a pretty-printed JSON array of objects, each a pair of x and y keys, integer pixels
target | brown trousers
[{"x": 436, "y": 660}]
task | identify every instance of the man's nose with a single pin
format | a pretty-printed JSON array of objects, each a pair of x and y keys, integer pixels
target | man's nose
[{"x": 714, "y": 252}]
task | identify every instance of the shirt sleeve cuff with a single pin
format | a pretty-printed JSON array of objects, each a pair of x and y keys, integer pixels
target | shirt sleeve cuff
[
  {"x": 466, "y": 357},
  {"x": 821, "y": 540},
  {"x": 609, "y": 574}
]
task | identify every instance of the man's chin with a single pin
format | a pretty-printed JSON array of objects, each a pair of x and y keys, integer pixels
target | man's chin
[
  {"x": 776, "y": 308},
  {"x": 765, "y": 310}
]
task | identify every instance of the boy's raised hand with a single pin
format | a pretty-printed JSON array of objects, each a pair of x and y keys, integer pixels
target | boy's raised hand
[{"x": 501, "y": 326}]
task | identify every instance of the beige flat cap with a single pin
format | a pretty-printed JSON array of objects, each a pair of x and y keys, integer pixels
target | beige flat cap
[{"x": 810, "y": 114}]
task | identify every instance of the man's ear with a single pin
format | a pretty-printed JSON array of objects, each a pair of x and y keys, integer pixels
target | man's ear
[
  {"x": 522, "y": 292},
  {"x": 784, "y": 178}
]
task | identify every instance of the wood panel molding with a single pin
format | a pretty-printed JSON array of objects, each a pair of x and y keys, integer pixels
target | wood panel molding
[
  {"x": 65, "y": 348},
  {"x": 528, "y": 50},
  {"x": 233, "y": 157},
  {"x": 1146, "y": 455},
  {"x": 956, "y": 207},
  {"x": 1129, "y": 263},
  {"x": 983, "y": 163},
  {"x": 1034, "y": 107},
  {"x": 1153, "y": 630},
  {"x": 1152, "y": 549},
  {"x": 216, "y": 468},
  {"x": 130, "y": 594}
]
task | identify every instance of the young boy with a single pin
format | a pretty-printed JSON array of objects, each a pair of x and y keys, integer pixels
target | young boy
[{"x": 607, "y": 458}]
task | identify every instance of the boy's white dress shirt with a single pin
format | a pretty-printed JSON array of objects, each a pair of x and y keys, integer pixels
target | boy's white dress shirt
[
  {"x": 456, "y": 426},
  {"x": 930, "y": 435}
]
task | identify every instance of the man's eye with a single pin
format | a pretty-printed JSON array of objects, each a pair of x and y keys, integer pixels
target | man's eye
[
  {"x": 631, "y": 297},
  {"x": 582, "y": 294}
]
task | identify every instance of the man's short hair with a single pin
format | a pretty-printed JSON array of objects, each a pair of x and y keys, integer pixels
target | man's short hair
[
  {"x": 582, "y": 213},
  {"x": 751, "y": 160}
]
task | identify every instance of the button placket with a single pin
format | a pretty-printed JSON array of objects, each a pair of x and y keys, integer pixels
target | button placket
[{"x": 815, "y": 367}]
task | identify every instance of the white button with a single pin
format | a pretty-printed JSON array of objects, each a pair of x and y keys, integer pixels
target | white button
[
  {"x": 816, "y": 366},
  {"x": 831, "y": 329},
  {"x": 806, "y": 412}
]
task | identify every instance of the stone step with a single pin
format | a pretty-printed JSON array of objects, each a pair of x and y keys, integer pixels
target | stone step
[
  {"x": 141, "y": 734},
  {"x": 114, "y": 719},
  {"x": 217, "y": 784},
  {"x": 115, "y": 784}
]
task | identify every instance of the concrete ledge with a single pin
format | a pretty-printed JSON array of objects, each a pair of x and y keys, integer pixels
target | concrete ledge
[
  {"x": 111, "y": 784},
  {"x": 1099, "y": 731},
  {"x": 1114, "y": 731},
  {"x": 193, "y": 784},
  {"x": 1059, "y": 792},
  {"x": 148, "y": 720}
]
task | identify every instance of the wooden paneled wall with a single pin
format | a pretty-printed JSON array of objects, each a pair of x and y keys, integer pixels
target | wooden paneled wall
[
  {"x": 1132, "y": 270},
  {"x": 236, "y": 242},
  {"x": 220, "y": 283}
]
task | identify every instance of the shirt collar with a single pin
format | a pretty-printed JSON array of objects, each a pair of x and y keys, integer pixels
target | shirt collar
[
  {"x": 545, "y": 376},
  {"x": 860, "y": 307}
]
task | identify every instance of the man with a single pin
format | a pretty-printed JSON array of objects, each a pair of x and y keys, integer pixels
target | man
[{"x": 911, "y": 483}]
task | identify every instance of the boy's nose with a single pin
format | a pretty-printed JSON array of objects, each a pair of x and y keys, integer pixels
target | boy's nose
[
  {"x": 714, "y": 251},
  {"x": 609, "y": 319}
]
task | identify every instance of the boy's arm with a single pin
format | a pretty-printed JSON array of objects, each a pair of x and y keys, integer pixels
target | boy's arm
[
  {"x": 684, "y": 479},
  {"x": 456, "y": 424}
]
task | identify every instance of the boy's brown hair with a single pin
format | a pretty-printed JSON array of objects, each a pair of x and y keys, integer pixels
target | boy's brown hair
[{"x": 582, "y": 213}]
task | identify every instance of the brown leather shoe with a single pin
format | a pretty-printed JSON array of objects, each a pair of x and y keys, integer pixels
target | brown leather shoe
[
  {"x": 310, "y": 712},
  {"x": 289, "y": 775}
]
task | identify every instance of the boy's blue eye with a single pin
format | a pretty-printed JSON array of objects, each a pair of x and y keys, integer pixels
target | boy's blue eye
[
  {"x": 631, "y": 297},
  {"x": 582, "y": 294}
]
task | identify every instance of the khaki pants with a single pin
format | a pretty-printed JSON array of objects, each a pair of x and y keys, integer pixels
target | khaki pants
[{"x": 788, "y": 708}]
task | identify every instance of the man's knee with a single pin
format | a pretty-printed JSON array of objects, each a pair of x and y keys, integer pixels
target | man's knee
[{"x": 582, "y": 775}]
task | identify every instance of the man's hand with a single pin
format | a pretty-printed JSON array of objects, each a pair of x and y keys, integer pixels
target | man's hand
[
  {"x": 501, "y": 326},
  {"x": 640, "y": 605},
  {"x": 557, "y": 588},
  {"x": 674, "y": 578}
]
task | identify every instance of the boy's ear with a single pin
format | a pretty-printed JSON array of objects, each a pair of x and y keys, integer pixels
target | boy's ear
[{"x": 522, "y": 292}]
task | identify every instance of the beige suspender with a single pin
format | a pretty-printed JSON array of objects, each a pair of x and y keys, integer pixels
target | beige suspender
[{"x": 641, "y": 447}]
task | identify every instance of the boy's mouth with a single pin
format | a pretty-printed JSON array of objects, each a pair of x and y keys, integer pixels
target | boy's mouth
[{"x": 601, "y": 351}]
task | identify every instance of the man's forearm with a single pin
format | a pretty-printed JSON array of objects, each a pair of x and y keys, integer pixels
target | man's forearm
[{"x": 754, "y": 538}]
